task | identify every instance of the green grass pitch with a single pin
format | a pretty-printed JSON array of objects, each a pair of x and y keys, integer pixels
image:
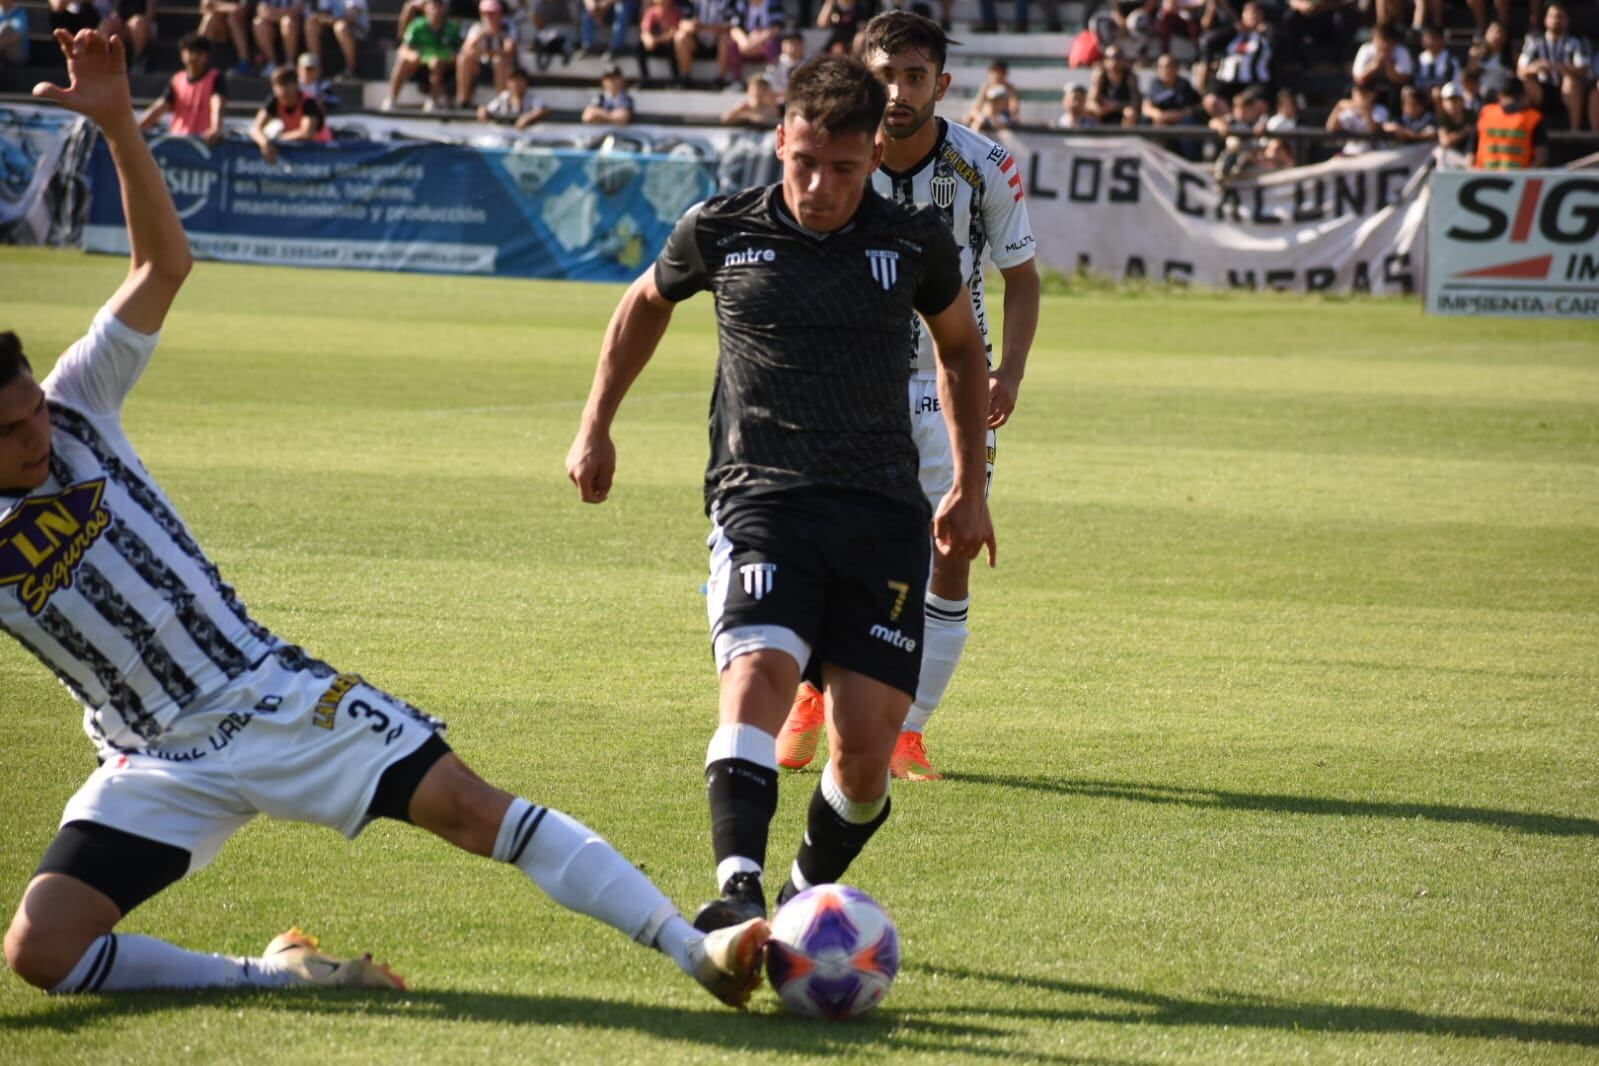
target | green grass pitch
[{"x": 1277, "y": 739}]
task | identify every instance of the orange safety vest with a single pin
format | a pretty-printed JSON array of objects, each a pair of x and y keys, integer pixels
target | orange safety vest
[{"x": 1504, "y": 138}]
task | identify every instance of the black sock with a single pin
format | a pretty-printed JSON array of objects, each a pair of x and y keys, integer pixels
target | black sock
[
  {"x": 831, "y": 843},
  {"x": 743, "y": 798}
]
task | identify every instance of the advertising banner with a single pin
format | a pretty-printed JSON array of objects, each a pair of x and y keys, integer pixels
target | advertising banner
[
  {"x": 537, "y": 212},
  {"x": 1515, "y": 243},
  {"x": 1127, "y": 208}
]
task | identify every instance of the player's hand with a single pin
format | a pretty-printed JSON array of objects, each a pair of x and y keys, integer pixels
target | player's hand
[
  {"x": 962, "y": 528},
  {"x": 1001, "y": 398},
  {"x": 591, "y": 464},
  {"x": 97, "y": 76}
]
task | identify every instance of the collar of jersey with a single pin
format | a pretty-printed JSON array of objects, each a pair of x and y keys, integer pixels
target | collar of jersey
[
  {"x": 779, "y": 211},
  {"x": 921, "y": 164}
]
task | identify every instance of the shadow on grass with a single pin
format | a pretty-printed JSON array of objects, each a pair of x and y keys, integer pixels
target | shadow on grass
[
  {"x": 881, "y": 1032},
  {"x": 1107, "y": 1003},
  {"x": 1522, "y": 821}
]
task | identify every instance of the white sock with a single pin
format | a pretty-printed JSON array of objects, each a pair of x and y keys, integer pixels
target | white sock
[
  {"x": 848, "y": 809},
  {"x": 942, "y": 644},
  {"x": 122, "y": 962},
  {"x": 581, "y": 872}
]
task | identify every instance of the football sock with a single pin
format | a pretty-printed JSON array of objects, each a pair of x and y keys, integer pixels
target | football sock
[
  {"x": 836, "y": 829},
  {"x": 942, "y": 644},
  {"x": 741, "y": 781},
  {"x": 581, "y": 872},
  {"x": 122, "y": 962}
]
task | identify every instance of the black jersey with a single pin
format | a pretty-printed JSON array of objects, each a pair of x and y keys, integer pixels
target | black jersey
[{"x": 811, "y": 377}]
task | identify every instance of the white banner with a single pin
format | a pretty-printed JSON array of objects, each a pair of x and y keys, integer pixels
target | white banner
[
  {"x": 1127, "y": 208},
  {"x": 32, "y": 140},
  {"x": 1516, "y": 243}
]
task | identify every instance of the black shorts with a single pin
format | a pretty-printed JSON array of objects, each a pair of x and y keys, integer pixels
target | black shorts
[{"x": 844, "y": 572}]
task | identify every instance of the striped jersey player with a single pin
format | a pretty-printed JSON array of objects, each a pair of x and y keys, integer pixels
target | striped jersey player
[
  {"x": 975, "y": 185},
  {"x": 202, "y": 717}
]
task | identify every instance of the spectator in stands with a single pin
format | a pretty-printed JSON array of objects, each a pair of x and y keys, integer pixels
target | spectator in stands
[
  {"x": 1384, "y": 64},
  {"x": 195, "y": 96},
  {"x": 1556, "y": 68},
  {"x": 554, "y": 30},
  {"x": 1172, "y": 99},
  {"x": 997, "y": 100},
  {"x": 843, "y": 20},
  {"x": 274, "y": 21},
  {"x": 1242, "y": 147},
  {"x": 309, "y": 72},
  {"x": 1329, "y": 24},
  {"x": 1176, "y": 18},
  {"x": 1088, "y": 47},
  {"x": 1479, "y": 12},
  {"x": 1074, "y": 113},
  {"x": 791, "y": 53},
  {"x": 758, "y": 108},
  {"x": 13, "y": 33},
  {"x": 1276, "y": 153},
  {"x": 613, "y": 104},
  {"x": 1456, "y": 128},
  {"x": 134, "y": 22},
  {"x": 1471, "y": 100},
  {"x": 491, "y": 46},
  {"x": 430, "y": 45},
  {"x": 1510, "y": 134},
  {"x": 656, "y": 30},
  {"x": 1415, "y": 124},
  {"x": 73, "y": 15},
  {"x": 1490, "y": 58},
  {"x": 1360, "y": 113},
  {"x": 1218, "y": 24},
  {"x": 699, "y": 36},
  {"x": 618, "y": 15},
  {"x": 988, "y": 19},
  {"x": 1436, "y": 66},
  {"x": 227, "y": 21},
  {"x": 1113, "y": 96},
  {"x": 1246, "y": 61},
  {"x": 515, "y": 104},
  {"x": 753, "y": 36},
  {"x": 349, "y": 23},
  {"x": 288, "y": 117}
]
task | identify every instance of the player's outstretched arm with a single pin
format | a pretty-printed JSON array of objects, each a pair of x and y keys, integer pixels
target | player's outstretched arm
[
  {"x": 97, "y": 74},
  {"x": 962, "y": 526},
  {"x": 1022, "y": 289},
  {"x": 630, "y": 340}
]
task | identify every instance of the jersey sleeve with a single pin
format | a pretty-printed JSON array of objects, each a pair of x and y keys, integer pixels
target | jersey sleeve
[
  {"x": 97, "y": 372},
  {"x": 680, "y": 270},
  {"x": 1010, "y": 231},
  {"x": 941, "y": 279}
]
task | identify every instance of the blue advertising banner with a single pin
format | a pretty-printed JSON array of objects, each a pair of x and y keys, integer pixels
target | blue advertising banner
[{"x": 532, "y": 212}]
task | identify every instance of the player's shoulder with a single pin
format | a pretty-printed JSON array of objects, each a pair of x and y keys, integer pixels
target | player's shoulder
[
  {"x": 737, "y": 206},
  {"x": 982, "y": 152},
  {"x": 916, "y": 225}
]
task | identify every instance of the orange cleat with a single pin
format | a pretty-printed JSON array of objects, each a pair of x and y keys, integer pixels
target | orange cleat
[
  {"x": 299, "y": 954},
  {"x": 909, "y": 761},
  {"x": 796, "y": 744}
]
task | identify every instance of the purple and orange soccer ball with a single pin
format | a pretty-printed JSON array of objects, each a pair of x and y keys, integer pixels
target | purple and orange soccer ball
[{"x": 833, "y": 952}]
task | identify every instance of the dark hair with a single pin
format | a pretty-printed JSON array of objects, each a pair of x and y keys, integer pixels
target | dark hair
[
  {"x": 194, "y": 42},
  {"x": 1388, "y": 32},
  {"x": 1513, "y": 89},
  {"x": 285, "y": 76},
  {"x": 1253, "y": 95},
  {"x": 895, "y": 31},
  {"x": 519, "y": 71},
  {"x": 12, "y": 361},
  {"x": 837, "y": 94}
]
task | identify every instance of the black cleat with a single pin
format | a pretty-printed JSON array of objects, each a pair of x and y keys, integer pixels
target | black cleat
[
  {"x": 742, "y": 899},
  {"x": 786, "y": 893}
]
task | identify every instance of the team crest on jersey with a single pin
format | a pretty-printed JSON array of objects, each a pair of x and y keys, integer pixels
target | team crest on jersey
[
  {"x": 758, "y": 579},
  {"x": 45, "y": 539},
  {"x": 942, "y": 189},
  {"x": 885, "y": 267}
]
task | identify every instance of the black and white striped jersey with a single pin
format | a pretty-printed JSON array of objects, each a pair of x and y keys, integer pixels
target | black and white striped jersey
[
  {"x": 1567, "y": 50},
  {"x": 99, "y": 576},
  {"x": 975, "y": 185}
]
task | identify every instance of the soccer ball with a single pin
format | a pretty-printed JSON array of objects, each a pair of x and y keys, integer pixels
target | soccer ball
[{"x": 833, "y": 952}]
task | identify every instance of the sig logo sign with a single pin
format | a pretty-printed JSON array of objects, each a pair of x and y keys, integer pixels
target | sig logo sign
[
  {"x": 1514, "y": 244},
  {"x": 190, "y": 174}
]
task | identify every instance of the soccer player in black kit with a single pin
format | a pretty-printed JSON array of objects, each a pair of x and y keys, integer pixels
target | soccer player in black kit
[{"x": 819, "y": 548}]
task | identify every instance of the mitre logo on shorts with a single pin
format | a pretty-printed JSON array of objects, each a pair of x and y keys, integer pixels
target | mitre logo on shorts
[
  {"x": 758, "y": 578},
  {"x": 894, "y": 637},
  {"x": 45, "y": 539},
  {"x": 749, "y": 256},
  {"x": 885, "y": 267}
]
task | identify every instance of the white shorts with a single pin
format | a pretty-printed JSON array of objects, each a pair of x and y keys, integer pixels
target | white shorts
[
  {"x": 291, "y": 739},
  {"x": 937, "y": 471}
]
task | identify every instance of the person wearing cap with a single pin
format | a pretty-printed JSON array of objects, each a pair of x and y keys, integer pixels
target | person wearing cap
[
  {"x": 1456, "y": 126},
  {"x": 997, "y": 101},
  {"x": 349, "y": 23},
  {"x": 310, "y": 76},
  {"x": 491, "y": 43},
  {"x": 613, "y": 104},
  {"x": 1074, "y": 114}
]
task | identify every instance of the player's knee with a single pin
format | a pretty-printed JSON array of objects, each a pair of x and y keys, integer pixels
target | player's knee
[{"x": 41, "y": 957}]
